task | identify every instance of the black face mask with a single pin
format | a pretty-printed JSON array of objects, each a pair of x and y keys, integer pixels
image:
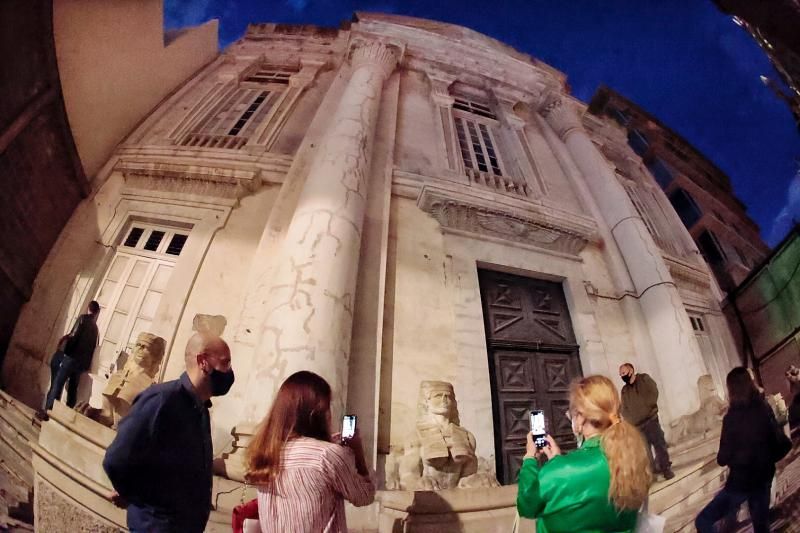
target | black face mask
[
  {"x": 627, "y": 379},
  {"x": 221, "y": 382}
]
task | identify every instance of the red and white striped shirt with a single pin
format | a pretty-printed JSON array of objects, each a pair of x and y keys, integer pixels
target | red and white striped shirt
[{"x": 308, "y": 495}]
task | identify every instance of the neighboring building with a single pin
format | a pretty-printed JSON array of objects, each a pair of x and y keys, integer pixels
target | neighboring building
[
  {"x": 764, "y": 314},
  {"x": 394, "y": 201},
  {"x": 774, "y": 25},
  {"x": 700, "y": 193}
]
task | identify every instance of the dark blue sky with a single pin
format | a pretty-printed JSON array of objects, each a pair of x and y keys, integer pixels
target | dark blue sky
[{"x": 682, "y": 60}]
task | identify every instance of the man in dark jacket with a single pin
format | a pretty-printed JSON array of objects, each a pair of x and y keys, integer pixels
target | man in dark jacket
[
  {"x": 640, "y": 408},
  {"x": 75, "y": 359},
  {"x": 160, "y": 461}
]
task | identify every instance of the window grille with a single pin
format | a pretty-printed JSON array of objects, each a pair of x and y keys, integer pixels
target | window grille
[
  {"x": 270, "y": 75},
  {"x": 477, "y": 146},
  {"x": 474, "y": 107},
  {"x": 240, "y": 111}
]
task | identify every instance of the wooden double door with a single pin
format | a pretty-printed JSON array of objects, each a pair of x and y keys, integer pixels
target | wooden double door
[{"x": 533, "y": 358}]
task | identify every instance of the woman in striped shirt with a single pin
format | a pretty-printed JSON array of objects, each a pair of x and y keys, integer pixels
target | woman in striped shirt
[{"x": 304, "y": 474}]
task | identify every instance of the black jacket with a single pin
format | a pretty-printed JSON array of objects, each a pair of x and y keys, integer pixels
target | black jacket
[
  {"x": 746, "y": 444},
  {"x": 82, "y": 341},
  {"x": 160, "y": 460}
]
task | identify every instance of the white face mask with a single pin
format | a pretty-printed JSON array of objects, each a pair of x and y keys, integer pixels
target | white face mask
[{"x": 576, "y": 432}]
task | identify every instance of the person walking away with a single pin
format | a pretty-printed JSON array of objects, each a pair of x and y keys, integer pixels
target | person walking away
[
  {"x": 68, "y": 365},
  {"x": 600, "y": 486},
  {"x": 640, "y": 408},
  {"x": 160, "y": 461},
  {"x": 304, "y": 474},
  {"x": 750, "y": 444}
]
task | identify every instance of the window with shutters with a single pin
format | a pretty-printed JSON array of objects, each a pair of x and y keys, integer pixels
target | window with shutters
[
  {"x": 240, "y": 110},
  {"x": 476, "y": 141}
]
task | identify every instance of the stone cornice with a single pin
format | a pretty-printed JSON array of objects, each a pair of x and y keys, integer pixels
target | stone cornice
[
  {"x": 204, "y": 171},
  {"x": 683, "y": 271},
  {"x": 520, "y": 222}
]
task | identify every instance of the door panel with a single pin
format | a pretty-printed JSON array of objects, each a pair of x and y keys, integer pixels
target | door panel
[{"x": 533, "y": 360}]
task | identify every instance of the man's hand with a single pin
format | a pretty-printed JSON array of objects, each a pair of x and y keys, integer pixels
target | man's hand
[{"x": 118, "y": 500}]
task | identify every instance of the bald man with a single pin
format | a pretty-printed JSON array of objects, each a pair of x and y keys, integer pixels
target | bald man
[{"x": 160, "y": 461}]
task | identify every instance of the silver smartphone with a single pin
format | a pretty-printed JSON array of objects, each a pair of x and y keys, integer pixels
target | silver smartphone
[
  {"x": 538, "y": 428},
  {"x": 349, "y": 426}
]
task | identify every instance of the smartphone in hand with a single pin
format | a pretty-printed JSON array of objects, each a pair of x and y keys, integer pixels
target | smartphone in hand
[
  {"x": 349, "y": 426},
  {"x": 538, "y": 428}
]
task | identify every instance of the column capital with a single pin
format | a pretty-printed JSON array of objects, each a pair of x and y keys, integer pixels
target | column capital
[
  {"x": 374, "y": 54},
  {"x": 440, "y": 88},
  {"x": 561, "y": 116}
]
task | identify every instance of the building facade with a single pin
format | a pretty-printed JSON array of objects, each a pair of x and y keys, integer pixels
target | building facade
[
  {"x": 698, "y": 191},
  {"x": 773, "y": 24},
  {"x": 394, "y": 201}
]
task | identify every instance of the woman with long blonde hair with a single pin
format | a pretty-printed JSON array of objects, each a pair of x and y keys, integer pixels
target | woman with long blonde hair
[
  {"x": 303, "y": 473},
  {"x": 601, "y": 485}
]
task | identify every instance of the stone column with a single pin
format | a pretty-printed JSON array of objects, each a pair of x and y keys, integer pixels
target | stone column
[
  {"x": 678, "y": 359},
  {"x": 309, "y": 304}
]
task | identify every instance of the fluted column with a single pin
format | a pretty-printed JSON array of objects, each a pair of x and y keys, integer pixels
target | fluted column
[
  {"x": 678, "y": 359},
  {"x": 309, "y": 303}
]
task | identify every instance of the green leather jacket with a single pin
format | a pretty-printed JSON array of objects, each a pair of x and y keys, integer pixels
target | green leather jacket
[{"x": 570, "y": 493}]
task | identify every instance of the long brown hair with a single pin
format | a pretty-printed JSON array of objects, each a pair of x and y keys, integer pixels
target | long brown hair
[
  {"x": 742, "y": 390},
  {"x": 301, "y": 409},
  {"x": 597, "y": 399}
]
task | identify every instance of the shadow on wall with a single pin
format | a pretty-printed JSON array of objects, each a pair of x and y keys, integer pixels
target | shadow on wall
[{"x": 64, "y": 286}]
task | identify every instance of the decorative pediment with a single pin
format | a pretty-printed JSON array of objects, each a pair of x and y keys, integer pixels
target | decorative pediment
[{"x": 528, "y": 224}]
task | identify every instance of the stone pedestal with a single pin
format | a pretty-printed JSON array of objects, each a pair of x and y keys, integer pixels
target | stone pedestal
[
  {"x": 485, "y": 510},
  {"x": 309, "y": 303},
  {"x": 678, "y": 362}
]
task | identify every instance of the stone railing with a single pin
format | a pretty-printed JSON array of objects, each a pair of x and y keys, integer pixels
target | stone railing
[
  {"x": 503, "y": 184},
  {"x": 203, "y": 140}
]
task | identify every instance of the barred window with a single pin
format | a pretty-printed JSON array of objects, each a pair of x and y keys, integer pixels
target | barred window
[
  {"x": 240, "y": 111},
  {"x": 477, "y": 146}
]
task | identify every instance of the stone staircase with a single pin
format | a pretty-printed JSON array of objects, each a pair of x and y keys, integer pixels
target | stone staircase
[{"x": 697, "y": 479}]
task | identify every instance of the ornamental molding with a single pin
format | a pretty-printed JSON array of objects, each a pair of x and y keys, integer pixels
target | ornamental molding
[
  {"x": 526, "y": 223},
  {"x": 561, "y": 115},
  {"x": 685, "y": 273},
  {"x": 368, "y": 53},
  {"x": 188, "y": 179}
]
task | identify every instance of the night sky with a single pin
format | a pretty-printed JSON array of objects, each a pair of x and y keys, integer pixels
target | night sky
[{"x": 682, "y": 60}]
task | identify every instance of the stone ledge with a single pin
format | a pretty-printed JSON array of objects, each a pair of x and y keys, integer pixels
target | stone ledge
[{"x": 495, "y": 216}]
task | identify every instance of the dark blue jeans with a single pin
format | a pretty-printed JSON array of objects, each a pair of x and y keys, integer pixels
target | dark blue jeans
[
  {"x": 728, "y": 501},
  {"x": 62, "y": 371}
]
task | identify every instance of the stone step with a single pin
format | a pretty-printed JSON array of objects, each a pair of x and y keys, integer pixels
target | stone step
[
  {"x": 692, "y": 442},
  {"x": 683, "y": 513},
  {"x": 692, "y": 478},
  {"x": 684, "y": 521},
  {"x": 699, "y": 450}
]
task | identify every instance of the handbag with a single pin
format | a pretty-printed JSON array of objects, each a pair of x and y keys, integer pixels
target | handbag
[
  {"x": 243, "y": 514},
  {"x": 649, "y": 523}
]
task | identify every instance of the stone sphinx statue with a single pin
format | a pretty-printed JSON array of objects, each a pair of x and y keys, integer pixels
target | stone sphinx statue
[
  {"x": 705, "y": 419},
  {"x": 124, "y": 385},
  {"x": 440, "y": 454}
]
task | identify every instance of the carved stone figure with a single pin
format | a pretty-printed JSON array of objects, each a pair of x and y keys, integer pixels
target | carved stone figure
[
  {"x": 124, "y": 385},
  {"x": 440, "y": 454},
  {"x": 705, "y": 419}
]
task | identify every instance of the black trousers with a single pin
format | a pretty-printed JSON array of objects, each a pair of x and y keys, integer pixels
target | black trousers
[{"x": 654, "y": 435}]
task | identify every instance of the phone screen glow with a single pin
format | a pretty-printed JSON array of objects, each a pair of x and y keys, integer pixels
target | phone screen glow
[
  {"x": 348, "y": 426},
  {"x": 537, "y": 423}
]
